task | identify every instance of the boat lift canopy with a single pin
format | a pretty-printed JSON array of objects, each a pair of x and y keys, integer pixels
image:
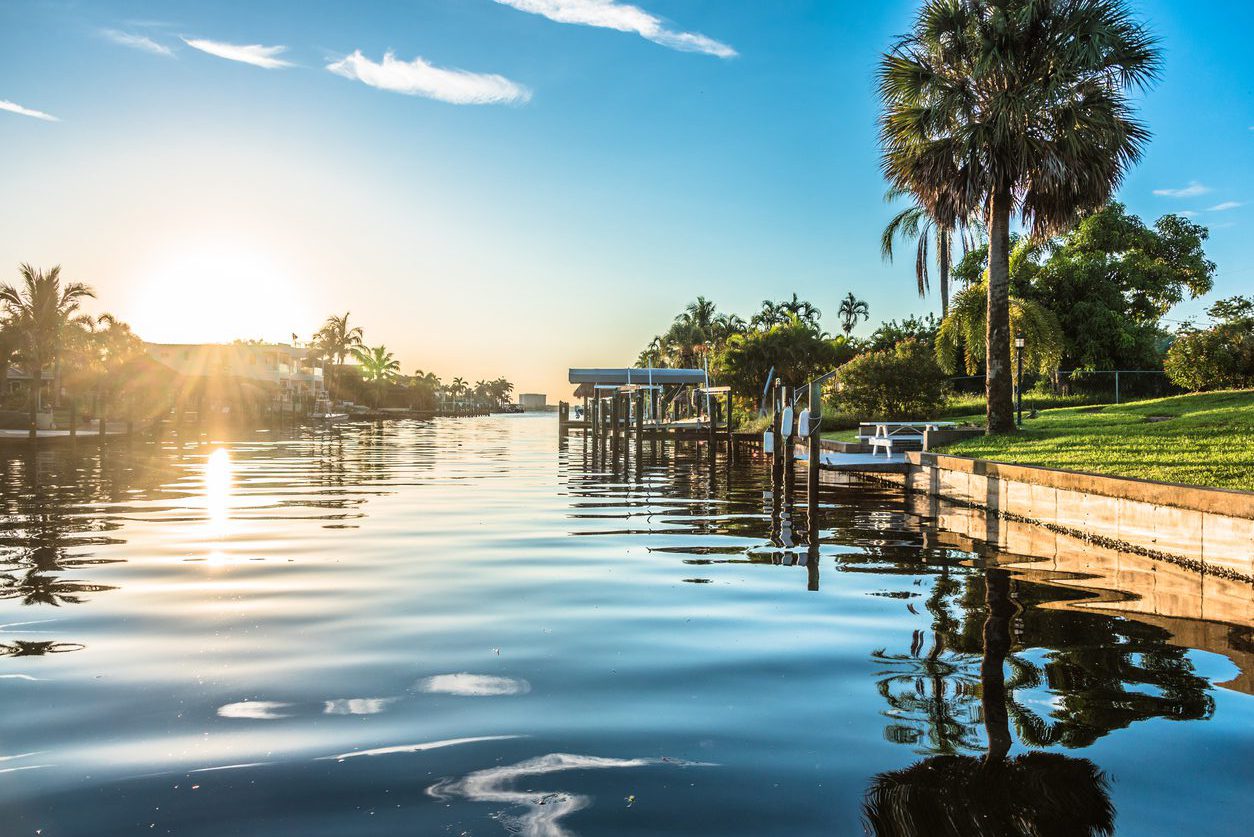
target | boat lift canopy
[{"x": 590, "y": 380}]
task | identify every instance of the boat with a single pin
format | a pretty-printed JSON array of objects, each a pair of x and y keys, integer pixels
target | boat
[{"x": 323, "y": 410}]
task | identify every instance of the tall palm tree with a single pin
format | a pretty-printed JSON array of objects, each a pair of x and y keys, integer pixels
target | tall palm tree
[
  {"x": 701, "y": 313},
  {"x": 458, "y": 388},
  {"x": 998, "y": 106},
  {"x": 851, "y": 309},
  {"x": 40, "y": 311},
  {"x": 336, "y": 340},
  {"x": 914, "y": 222},
  {"x": 378, "y": 367}
]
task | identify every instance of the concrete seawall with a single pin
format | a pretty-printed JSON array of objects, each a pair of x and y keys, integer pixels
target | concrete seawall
[{"x": 1208, "y": 529}]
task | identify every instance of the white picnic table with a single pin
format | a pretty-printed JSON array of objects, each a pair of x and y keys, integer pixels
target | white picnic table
[{"x": 888, "y": 432}]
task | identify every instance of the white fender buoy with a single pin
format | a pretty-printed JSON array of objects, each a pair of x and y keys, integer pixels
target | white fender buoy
[
  {"x": 768, "y": 442},
  {"x": 785, "y": 422},
  {"x": 803, "y": 423}
]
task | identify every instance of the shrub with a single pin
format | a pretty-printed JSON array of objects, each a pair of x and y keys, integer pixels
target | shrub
[
  {"x": 1218, "y": 358},
  {"x": 1222, "y": 356},
  {"x": 902, "y": 383}
]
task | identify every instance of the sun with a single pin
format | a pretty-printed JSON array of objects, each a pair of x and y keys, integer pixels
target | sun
[{"x": 216, "y": 291}]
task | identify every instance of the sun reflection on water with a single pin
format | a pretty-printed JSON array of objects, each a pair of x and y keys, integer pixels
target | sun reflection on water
[{"x": 218, "y": 482}]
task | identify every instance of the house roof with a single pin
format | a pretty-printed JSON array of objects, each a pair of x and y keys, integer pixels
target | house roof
[{"x": 589, "y": 379}]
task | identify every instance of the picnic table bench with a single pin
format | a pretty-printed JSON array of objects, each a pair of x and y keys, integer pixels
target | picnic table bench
[{"x": 898, "y": 433}]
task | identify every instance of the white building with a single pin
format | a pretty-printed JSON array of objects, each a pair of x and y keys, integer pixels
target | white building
[
  {"x": 533, "y": 401},
  {"x": 289, "y": 368}
]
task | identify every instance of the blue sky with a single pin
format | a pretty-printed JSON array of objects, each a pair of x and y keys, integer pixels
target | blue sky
[{"x": 549, "y": 202}]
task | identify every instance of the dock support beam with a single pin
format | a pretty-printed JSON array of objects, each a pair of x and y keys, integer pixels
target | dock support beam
[{"x": 639, "y": 430}]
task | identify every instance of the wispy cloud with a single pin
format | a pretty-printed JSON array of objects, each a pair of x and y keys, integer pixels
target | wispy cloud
[
  {"x": 14, "y": 107},
  {"x": 1191, "y": 191},
  {"x": 1188, "y": 213},
  {"x": 141, "y": 42},
  {"x": 255, "y": 54},
  {"x": 622, "y": 17},
  {"x": 419, "y": 78},
  {"x": 1225, "y": 206}
]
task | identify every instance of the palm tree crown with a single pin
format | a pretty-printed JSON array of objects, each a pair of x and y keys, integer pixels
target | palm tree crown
[
  {"x": 851, "y": 310},
  {"x": 39, "y": 313},
  {"x": 998, "y": 106}
]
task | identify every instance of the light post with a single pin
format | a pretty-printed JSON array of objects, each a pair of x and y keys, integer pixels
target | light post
[{"x": 1019, "y": 375}]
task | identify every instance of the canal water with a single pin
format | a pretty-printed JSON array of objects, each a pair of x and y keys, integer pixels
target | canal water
[{"x": 471, "y": 627}]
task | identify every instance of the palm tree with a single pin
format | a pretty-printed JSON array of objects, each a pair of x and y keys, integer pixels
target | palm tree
[
  {"x": 914, "y": 222},
  {"x": 701, "y": 313},
  {"x": 336, "y": 340},
  {"x": 457, "y": 389},
  {"x": 9, "y": 345},
  {"x": 378, "y": 367},
  {"x": 998, "y": 106},
  {"x": 851, "y": 308},
  {"x": 40, "y": 311},
  {"x": 963, "y": 332}
]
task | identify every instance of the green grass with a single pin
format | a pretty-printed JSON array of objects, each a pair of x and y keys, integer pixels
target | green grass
[{"x": 1203, "y": 439}]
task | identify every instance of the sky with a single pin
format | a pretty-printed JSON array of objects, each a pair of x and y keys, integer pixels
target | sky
[{"x": 512, "y": 187}]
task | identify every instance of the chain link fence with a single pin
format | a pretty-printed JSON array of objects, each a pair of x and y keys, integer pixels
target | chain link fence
[{"x": 1075, "y": 387}]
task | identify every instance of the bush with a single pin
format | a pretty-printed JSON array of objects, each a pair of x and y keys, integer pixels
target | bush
[
  {"x": 1218, "y": 358},
  {"x": 902, "y": 383}
]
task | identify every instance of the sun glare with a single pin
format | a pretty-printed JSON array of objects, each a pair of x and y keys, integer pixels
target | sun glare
[
  {"x": 216, "y": 292},
  {"x": 218, "y": 478}
]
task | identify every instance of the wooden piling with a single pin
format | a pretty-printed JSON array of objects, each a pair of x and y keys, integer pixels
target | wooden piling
[
  {"x": 639, "y": 429},
  {"x": 615, "y": 427},
  {"x": 815, "y": 457}
]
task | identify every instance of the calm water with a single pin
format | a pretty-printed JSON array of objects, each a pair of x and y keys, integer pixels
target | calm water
[{"x": 462, "y": 627}]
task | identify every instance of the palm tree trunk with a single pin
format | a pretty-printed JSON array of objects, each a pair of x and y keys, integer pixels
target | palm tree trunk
[
  {"x": 942, "y": 262},
  {"x": 997, "y": 381},
  {"x": 36, "y": 383}
]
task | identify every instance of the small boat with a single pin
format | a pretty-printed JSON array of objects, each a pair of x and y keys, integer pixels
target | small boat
[{"x": 324, "y": 411}]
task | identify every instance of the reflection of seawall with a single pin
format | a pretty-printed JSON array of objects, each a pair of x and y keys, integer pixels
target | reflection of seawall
[
  {"x": 1209, "y": 529},
  {"x": 1199, "y": 610}
]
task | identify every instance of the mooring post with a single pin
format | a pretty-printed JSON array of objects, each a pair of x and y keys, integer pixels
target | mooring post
[
  {"x": 815, "y": 459},
  {"x": 594, "y": 421},
  {"x": 731, "y": 441},
  {"x": 614, "y": 428},
  {"x": 790, "y": 440},
  {"x": 710, "y": 405},
  {"x": 777, "y": 445}
]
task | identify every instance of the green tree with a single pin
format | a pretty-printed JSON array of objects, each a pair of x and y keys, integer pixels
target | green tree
[
  {"x": 40, "y": 312},
  {"x": 1111, "y": 279},
  {"x": 998, "y": 106},
  {"x": 890, "y": 333},
  {"x": 1220, "y": 357},
  {"x": 795, "y": 349},
  {"x": 903, "y": 382},
  {"x": 378, "y": 367}
]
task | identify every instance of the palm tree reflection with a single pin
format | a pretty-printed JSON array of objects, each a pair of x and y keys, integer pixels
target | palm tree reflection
[
  {"x": 22, "y": 648},
  {"x": 1036, "y": 793}
]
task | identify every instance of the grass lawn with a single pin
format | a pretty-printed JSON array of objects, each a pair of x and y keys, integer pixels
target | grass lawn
[{"x": 1203, "y": 439}]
